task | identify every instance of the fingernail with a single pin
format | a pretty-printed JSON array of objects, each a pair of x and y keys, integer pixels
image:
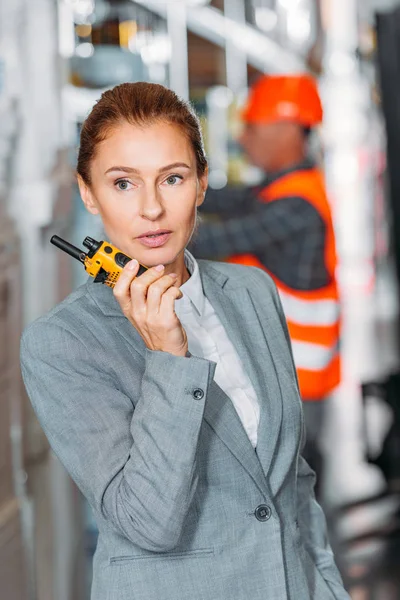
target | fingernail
[
  {"x": 132, "y": 264},
  {"x": 159, "y": 268},
  {"x": 173, "y": 275}
]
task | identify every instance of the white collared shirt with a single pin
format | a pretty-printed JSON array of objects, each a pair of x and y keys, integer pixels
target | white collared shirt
[{"x": 208, "y": 339}]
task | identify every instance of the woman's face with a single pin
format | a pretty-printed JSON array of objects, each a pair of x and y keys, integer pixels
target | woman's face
[{"x": 144, "y": 185}]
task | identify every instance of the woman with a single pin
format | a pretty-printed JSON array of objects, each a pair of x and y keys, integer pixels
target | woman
[{"x": 173, "y": 401}]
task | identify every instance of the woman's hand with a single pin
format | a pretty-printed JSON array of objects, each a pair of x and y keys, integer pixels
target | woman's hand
[{"x": 148, "y": 302}]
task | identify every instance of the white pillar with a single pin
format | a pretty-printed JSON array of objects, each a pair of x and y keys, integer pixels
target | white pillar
[
  {"x": 235, "y": 58},
  {"x": 351, "y": 139},
  {"x": 177, "y": 31}
]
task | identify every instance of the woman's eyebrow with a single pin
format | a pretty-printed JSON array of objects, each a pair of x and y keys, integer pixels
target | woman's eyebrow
[
  {"x": 173, "y": 166},
  {"x": 161, "y": 170},
  {"x": 124, "y": 169}
]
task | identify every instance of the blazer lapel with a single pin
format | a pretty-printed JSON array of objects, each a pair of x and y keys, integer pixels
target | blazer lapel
[
  {"x": 221, "y": 416},
  {"x": 237, "y": 313},
  {"x": 270, "y": 393}
]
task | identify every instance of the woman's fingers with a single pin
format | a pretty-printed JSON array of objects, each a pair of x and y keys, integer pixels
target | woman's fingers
[
  {"x": 148, "y": 302},
  {"x": 155, "y": 292},
  {"x": 131, "y": 291},
  {"x": 122, "y": 290},
  {"x": 142, "y": 295},
  {"x": 175, "y": 336},
  {"x": 140, "y": 286},
  {"x": 167, "y": 305}
]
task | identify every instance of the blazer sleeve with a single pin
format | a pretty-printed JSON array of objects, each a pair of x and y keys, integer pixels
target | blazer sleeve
[
  {"x": 136, "y": 466},
  {"x": 311, "y": 519}
]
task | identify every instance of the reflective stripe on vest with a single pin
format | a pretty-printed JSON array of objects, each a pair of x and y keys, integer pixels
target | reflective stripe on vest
[
  {"x": 313, "y": 357},
  {"x": 312, "y": 382},
  {"x": 309, "y": 312}
]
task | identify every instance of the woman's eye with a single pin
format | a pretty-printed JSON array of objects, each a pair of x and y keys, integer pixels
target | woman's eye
[
  {"x": 173, "y": 180},
  {"x": 123, "y": 185}
]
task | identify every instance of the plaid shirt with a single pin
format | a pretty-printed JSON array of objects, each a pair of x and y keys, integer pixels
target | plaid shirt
[{"x": 287, "y": 235}]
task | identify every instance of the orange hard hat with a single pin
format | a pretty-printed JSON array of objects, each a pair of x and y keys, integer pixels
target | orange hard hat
[{"x": 284, "y": 98}]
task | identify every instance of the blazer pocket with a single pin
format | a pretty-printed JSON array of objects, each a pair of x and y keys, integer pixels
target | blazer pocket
[{"x": 200, "y": 553}]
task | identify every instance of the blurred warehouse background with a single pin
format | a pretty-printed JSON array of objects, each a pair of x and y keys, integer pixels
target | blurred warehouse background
[{"x": 56, "y": 58}]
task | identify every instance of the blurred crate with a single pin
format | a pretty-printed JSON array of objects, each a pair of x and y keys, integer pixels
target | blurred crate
[
  {"x": 6, "y": 475},
  {"x": 12, "y": 568},
  {"x": 12, "y": 558}
]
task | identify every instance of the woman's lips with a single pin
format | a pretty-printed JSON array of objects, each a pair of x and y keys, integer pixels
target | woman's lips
[{"x": 154, "y": 241}]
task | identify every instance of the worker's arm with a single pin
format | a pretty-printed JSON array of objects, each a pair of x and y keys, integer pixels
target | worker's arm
[
  {"x": 230, "y": 200},
  {"x": 287, "y": 235}
]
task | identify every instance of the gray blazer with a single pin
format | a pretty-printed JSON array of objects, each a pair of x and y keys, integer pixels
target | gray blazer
[{"x": 186, "y": 509}]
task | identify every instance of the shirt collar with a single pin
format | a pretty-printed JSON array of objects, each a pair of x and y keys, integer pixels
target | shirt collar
[{"x": 193, "y": 288}]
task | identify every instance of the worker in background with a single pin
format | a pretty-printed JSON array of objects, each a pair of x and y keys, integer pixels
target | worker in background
[{"x": 284, "y": 226}]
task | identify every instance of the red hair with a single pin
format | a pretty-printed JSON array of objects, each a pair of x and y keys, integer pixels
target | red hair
[{"x": 138, "y": 104}]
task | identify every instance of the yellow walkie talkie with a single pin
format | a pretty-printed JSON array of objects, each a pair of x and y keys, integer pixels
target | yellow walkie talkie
[{"x": 103, "y": 261}]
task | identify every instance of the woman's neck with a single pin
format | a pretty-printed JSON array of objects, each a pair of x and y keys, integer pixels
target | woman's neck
[{"x": 179, "y": 267}]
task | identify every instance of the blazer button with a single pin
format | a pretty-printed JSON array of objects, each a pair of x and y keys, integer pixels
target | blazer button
[
  {"x": 263, "y": 512},
  {"x": 198, "y": 394}
]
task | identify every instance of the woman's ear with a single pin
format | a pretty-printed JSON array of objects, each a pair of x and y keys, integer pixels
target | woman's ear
[
  {"x": 201, "y": 191},
  {"x": 87, "y": 196}
]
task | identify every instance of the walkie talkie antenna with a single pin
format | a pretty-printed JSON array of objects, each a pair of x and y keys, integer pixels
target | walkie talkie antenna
[{"x": 68, "y": 248}]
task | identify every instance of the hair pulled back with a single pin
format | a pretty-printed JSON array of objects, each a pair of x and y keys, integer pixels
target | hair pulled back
[{"x": 138, "y": 104}]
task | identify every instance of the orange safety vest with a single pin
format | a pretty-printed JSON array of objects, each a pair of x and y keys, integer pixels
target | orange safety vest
[{"x": 312, "y": 316}]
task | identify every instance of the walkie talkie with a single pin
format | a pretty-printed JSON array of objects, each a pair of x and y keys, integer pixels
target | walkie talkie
[{"x": 103, "y": 261}]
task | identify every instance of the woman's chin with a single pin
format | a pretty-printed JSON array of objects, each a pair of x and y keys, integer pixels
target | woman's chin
[{"x": 158, "y": 256}]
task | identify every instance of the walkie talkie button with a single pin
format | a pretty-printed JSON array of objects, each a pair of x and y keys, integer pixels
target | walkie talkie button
[
  {"x": 108, "y": 249},
  {"x": 121, "y": 259}
]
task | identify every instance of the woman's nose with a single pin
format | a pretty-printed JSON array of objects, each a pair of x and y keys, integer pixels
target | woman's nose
[{"x": 151, "y": 207}]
